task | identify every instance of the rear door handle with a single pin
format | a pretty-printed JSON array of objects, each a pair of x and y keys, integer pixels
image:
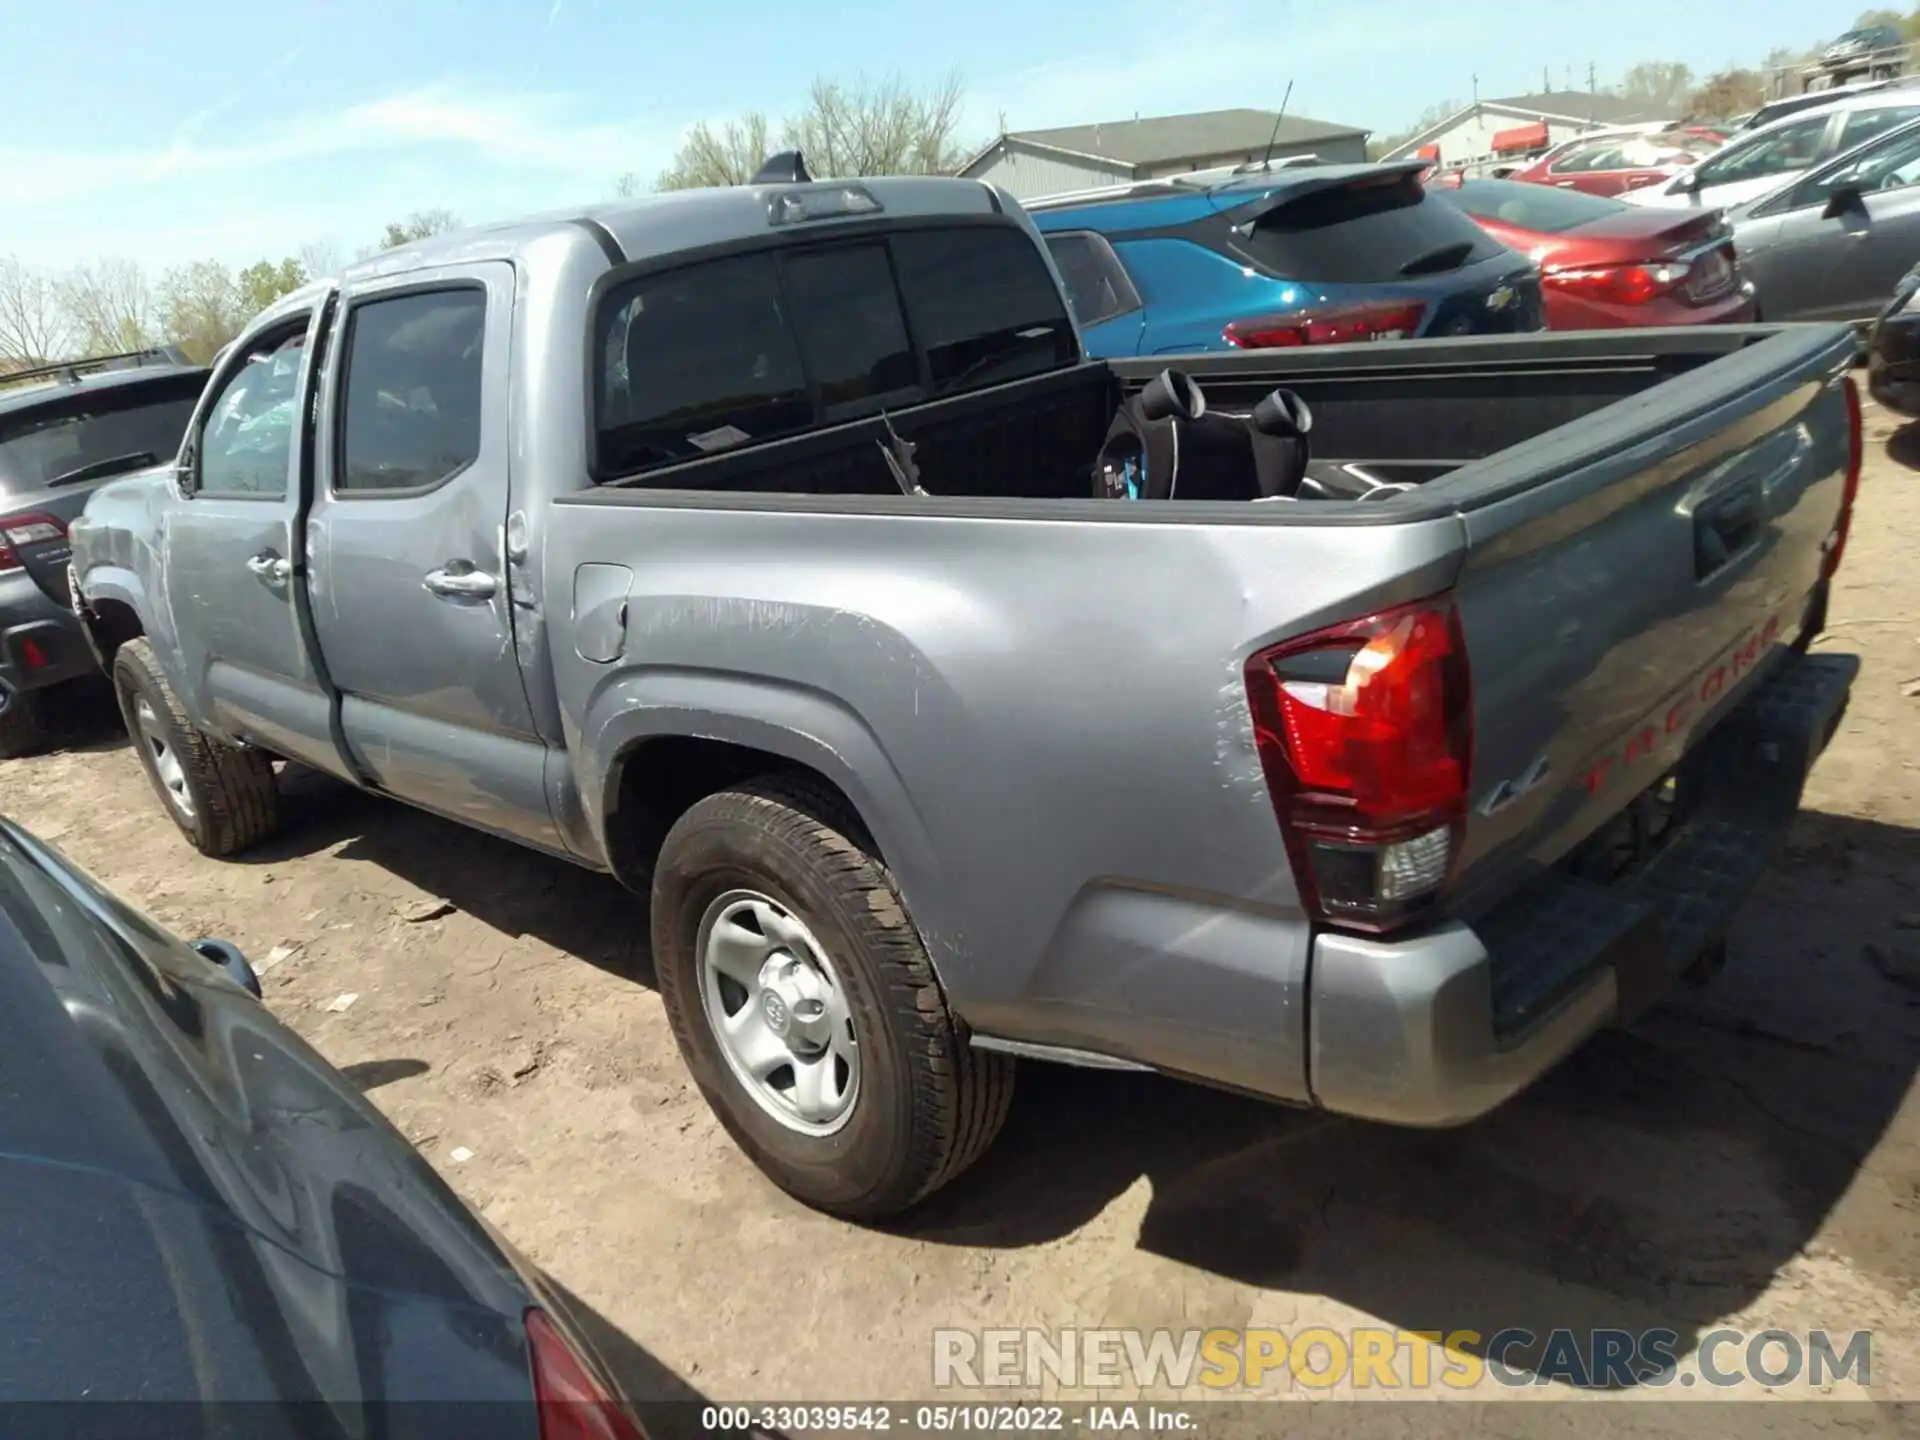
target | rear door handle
[
  {"x": 270, "y": 567},
  {"x": 458, "y": 580}
]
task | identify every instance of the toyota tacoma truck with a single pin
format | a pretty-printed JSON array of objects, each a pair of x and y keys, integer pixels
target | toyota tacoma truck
[{"x": 750, "y": 546}]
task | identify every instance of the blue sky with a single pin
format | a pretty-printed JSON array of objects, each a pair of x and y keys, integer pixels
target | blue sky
[{"x": 165, "y": 132}]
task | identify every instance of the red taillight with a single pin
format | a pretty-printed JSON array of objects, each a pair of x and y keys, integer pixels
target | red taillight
[
  {"x": 573, "y": 1405},
  {"x": 31, "y": 655},
  {"x": 1620, "y": 284},
  {"x": 21, "y": 530},
  {"x": 1341, "y": 325},
  {"x": 1850, "y": 488},
  {"x": 1364, "y": 735}
]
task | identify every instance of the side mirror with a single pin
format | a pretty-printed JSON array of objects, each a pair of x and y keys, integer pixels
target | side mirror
[{"x": 1842, "y": 199}]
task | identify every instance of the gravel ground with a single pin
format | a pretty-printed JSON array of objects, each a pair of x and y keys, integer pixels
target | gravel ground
[{"x": 1748, "y": 1156}]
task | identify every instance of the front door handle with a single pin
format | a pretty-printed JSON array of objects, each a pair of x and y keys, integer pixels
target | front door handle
[
  {"x": 270, "y": 567},
  {"x": 458, "y": 580}
]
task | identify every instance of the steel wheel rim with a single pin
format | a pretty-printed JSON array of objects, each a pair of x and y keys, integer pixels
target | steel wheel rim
[
  {"x": 165, "y": 759},
  {"x": 778, "y": 1012}
]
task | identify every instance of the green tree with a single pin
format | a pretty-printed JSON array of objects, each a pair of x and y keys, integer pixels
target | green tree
[
  {"x": 264, "y": 282},
  {"x": 201, "y": 307},
  {"x": 1730, "y": 93},
  {"x": 1868, "y": 19},
  {"x": 863, "y": 128},
  {"x": 418, "y": 226}
]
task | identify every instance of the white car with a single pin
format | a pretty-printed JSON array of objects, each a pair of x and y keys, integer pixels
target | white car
[{"x": 1764, "y": 159}]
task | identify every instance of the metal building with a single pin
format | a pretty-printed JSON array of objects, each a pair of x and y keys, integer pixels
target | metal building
[{"x": 1032, "y": 163}]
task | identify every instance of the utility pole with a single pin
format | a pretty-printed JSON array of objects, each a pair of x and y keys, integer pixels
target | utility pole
[
  {"x": 1593, "y": 92},
  {"x": 1476, "y": 89}
]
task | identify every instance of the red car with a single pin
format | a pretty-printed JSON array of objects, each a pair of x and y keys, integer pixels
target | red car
[
  {"x": 1605, "y": 265},
  {"x": 1608, "y": 165}
]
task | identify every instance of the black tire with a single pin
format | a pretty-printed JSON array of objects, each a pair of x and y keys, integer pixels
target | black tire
[
  {"x": 233, "y": 800},
  {"x": 20, "y": 730},
  {"x": 928, "y": 1103}
]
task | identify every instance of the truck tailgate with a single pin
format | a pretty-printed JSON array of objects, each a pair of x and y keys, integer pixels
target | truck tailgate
[{"x": 1629, "y": 578}]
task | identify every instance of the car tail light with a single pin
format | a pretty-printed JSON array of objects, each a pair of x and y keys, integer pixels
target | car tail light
[
  {"x": 1364, "y": 735},
  {"x": 573, "y": 1405},
  {"x": 26, "y": 530},
  {"x": 1850, "y": 487},
  {"x": 1338, "y": 325},
  {"x": 1620, "y": 284}
]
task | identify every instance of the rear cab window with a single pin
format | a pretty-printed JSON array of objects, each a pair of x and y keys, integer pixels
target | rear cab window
[
  {"x": 1098, "y": 285},
  {"x": 93, "y": 432},
  {"x": 1374, "y": 228},
  {"x": 717, "y": 354}
]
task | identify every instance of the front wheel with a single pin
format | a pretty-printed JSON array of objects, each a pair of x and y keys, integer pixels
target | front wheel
[
  {"x": 223, "y": 799},
  {"x": 805, "y": 1006}
]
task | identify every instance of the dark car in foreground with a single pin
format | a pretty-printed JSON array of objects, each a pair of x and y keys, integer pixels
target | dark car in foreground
[
  {"x": 1833, "y": 244},
  {"x": 198, "y": 1209},
  {"x": 1605, "y": 265},
  {"x": 1893, "y": 349},
  {"x": 1273, "y": 259},
  {"x": 65, "y": 430}
]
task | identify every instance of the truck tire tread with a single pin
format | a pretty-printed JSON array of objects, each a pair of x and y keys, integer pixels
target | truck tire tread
[
  {"x": 959, "y": 1096},
  {"x": 236, "y": 798}
]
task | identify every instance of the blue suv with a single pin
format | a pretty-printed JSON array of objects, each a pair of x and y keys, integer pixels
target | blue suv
[{"x": 1312, "y": 255}]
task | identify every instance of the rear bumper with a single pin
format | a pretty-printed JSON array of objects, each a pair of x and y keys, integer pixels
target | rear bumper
[
  {"x": 1437, "y": 1029},
  {"x": 41, "y": 641}
]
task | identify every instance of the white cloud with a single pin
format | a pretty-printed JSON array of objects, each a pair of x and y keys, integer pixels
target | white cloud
[{"x": 483, "y": 152}]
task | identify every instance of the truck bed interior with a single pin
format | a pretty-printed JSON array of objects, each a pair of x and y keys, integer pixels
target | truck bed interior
[{"x": 1401, "y": 414}]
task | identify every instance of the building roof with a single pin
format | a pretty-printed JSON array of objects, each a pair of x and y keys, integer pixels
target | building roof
[
  {"x": 1167, "y": 139},
  {"x": 1583, "y": 105}
]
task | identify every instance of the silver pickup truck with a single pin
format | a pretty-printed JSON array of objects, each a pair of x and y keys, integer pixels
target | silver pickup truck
[{"x": 753, "y": 547}]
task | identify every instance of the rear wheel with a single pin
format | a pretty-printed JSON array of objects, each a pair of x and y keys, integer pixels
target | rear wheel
[
  {"x": 805, "y": 1006},
  {"x": 224, "y": 799},
  {"x": 20, "y": 730}
]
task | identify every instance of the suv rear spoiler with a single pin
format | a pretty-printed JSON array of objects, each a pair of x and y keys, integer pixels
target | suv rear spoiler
[{"x": 72, "y": 370}]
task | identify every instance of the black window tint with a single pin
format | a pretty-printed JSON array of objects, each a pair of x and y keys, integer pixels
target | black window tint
[
  {"x": 1545, "y": 208},
  {"x": 847, "y": 315},
  {"x": 983, "y": 305},
  {"x": 1097, "y": 284},
  {"x": 246, "y": 440},
  {"x": 104, "y": 431},
  {"x": 1370, "y": 230},
  {"x": 695, "y": 361},
  {"x": 412, "y": 414}
]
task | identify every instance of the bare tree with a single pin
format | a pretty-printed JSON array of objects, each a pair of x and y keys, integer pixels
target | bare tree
[
  {"x": 1731, "y": 92},
  {"x": 320, "y": 259},
  {"x": 1662, "y": 86},
  {"x": 109, "y": 303},
  {"x": 865, "y": 128},
  {"x": 706, "y": 157},
  {"x": 418, "y": 226},
  {"x": 33, "y": 324},
  {"x": 202, "y": 307}
]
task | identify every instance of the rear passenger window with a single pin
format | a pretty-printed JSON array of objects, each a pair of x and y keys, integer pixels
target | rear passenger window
[
  {"x": 725, "y": 353},
  {"x": 1097, "y": 284},
  {"x": 847, "y": 315},
  {"x": 412, "y": 412},
  {"x": 982, "y": 305},
  {"x": 696, "y": 361}
]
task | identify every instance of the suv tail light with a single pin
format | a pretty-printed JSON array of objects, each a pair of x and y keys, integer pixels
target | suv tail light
[
  {"x": 573, "y": 1405},
  {"x": 34, "y": 529},
  {"x": 1364, "y": 734},
  {"x": 1850, "y": 488},
  {"x": 1621, "y": 284},
  {"x": 1341, "y": 325}
]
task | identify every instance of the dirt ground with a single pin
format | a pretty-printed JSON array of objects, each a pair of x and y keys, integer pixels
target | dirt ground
[{"x": 1748, "y": 1156}]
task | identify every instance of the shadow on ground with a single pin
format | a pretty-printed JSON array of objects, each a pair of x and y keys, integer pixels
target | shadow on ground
[
  {"x": 1659, "y": 1179},
  {"x": 515, "y": 890}
]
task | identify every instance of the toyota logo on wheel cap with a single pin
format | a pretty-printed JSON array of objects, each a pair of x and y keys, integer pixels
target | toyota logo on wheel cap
[{"x": 776, "y": 1012}]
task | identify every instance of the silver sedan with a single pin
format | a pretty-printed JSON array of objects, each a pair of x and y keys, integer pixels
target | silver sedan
[{"x": 1833, "y": 244}]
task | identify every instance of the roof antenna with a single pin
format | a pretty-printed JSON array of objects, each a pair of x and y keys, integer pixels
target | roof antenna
[{"x": 1266, "y": 161}]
